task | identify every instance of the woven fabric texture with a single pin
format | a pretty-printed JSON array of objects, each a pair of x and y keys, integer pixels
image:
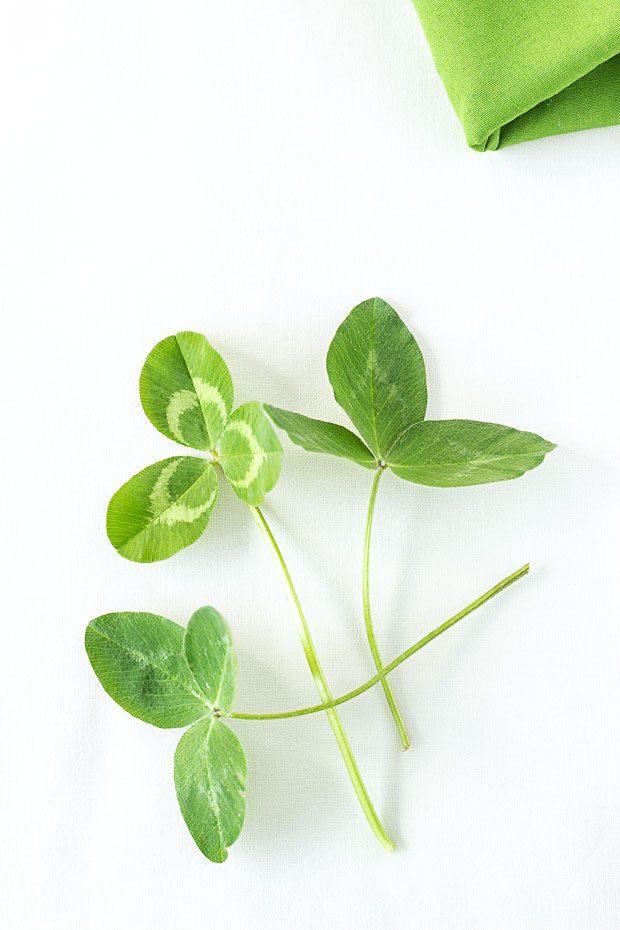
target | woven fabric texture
[{"x": 517, "y": 70}]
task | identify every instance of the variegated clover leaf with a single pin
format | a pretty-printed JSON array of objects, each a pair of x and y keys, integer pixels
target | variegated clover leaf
[
  {"x": 171, "y": 677},
  {"x": 377, "y": 373},
  {"x": 187, "y": 394},
  {"x": 186, "y": 390}
]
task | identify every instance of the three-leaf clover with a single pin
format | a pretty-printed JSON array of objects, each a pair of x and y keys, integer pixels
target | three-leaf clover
[
  {"x": 171, "y": 677},
  {"x": 187, "y": 393},
  {"x": 377, "y": 373}
]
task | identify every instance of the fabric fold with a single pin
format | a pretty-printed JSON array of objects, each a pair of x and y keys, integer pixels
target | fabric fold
[{"x": 517, "y": 70}]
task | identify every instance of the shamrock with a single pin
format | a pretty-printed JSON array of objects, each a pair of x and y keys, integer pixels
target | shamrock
[
  {"x": 171, "y": 677},
  {"x": 187, "y": 393}
]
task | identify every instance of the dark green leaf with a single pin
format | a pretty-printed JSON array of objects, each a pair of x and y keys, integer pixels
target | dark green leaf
[
  {"x": 139, "y": 660},
  {"x": 377, "y": 372},
  {"x": 210, "y": 656},
  {"x": 209, "y": 774},
  {"x": 321, "y": 436},
  {"x": 453, "y": 453},
  {"x": 162, "y": 509}
]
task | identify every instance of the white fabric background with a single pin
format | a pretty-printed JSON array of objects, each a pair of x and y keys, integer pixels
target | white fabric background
[{"x": 252, "y": 171}]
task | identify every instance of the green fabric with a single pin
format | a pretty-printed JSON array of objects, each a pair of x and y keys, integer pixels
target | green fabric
[{"x": 522, "y": 69}]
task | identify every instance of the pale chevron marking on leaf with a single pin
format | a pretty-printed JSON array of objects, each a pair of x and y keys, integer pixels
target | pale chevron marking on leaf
[
  {"x": 162, "y": 507},
  {"x": 160, "y": 496},
  {"x": 256, "y": 451},
  {"x": 181, "y": 513},
  {"x": 179, "y": 402},
  {"x": 209, "y": 396}
]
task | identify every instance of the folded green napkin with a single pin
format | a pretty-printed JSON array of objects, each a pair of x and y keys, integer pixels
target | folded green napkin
[{"x": 522, "y": 69}]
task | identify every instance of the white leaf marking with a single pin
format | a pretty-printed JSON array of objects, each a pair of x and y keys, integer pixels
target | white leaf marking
[
  {"x": 177, "y": 405},
  {"x": 209, "y": 396},
  {"x": 162, "y": 508},
  {"x": 256, "y": 451},
  {"x": 181, "y": 513},
  {"x": 160, "y": 496}
]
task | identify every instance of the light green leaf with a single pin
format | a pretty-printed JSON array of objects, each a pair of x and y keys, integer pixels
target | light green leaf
[
  {"x": 250, "y": 454},
  {"x": 210, "y": 656},
  {"x": 453, "y": 453},
  {"x": 377, "y": 372},
  {"x": 209, "y": 774},
  {"x": 162, "y": 509},
  {"x": 186, "y": 390},
  {"x": 139, "y": 660},
  {"x": 321, "y": 436}
]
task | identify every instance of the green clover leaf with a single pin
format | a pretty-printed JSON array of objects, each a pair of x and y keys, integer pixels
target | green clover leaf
[
  {"x": 455, "y": 453},
  {"x": 209, "y": 654},
  {"x": 162, "y": 509},
  {"x": 139, "y": 660},
  {"x": 321, "y": 436},
  {"x": 186, "y": 390},
  {"x": 376, "y": 369},
  {"x": 250, "y": 454},
  {"x": 187, "y": 393},
  {"x": 209, "y": 776}
]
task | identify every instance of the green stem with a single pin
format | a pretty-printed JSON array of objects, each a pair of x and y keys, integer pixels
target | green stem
[
  {"x": 370, "y": 632},
  {"x": 327, "y": 705},
  {"x": 323, "y": 689}
]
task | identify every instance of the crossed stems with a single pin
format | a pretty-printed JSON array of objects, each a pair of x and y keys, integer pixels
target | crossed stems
[
  {"x": 329, "y": 704},
  {"x": 323, "y": 689}
]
